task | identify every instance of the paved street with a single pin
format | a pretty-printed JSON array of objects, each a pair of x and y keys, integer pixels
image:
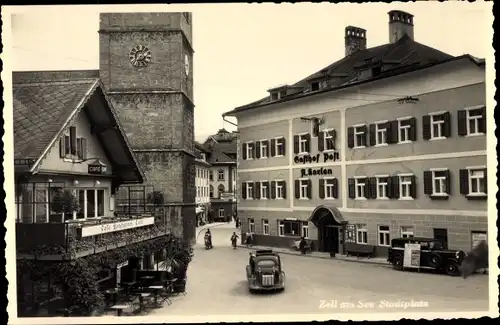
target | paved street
[{"x": 217, "y": 285}]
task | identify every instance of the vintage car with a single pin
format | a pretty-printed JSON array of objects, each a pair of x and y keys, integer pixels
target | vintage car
[
  {"x": 432, "y": 255},
  {"x": 264, "y": 271}
]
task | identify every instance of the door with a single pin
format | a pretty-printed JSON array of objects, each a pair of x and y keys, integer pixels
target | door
[
  {"x": 330, "y": 239},
  {"x": 442, "y": 235}
]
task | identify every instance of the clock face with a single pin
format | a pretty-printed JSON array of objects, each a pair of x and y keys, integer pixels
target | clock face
[
  {"x": 140, "y": 56},
  {"x": 186, "y": 64}
]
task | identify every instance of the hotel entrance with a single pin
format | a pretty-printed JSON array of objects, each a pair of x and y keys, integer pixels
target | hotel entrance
[{"x": 330, "y": 223}]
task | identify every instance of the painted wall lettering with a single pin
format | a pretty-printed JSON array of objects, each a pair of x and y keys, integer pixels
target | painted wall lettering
[
  {"x": 313, "y": 172},
  {"x": 308, "y": 159}
]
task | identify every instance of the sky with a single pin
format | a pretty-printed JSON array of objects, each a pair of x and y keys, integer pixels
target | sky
[{"x": 241, "y": 50}]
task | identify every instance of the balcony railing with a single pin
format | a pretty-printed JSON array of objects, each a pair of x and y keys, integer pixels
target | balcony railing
[{"x": 77, "y": 238}]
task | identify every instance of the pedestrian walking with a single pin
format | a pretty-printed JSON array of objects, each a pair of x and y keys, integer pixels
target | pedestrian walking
[{"x": 302, "y": 245}]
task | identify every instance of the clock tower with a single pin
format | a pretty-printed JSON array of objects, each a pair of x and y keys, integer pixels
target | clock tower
[{"x": 146, "y": 67}]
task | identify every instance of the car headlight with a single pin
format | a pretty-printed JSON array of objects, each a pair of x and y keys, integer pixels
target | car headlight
[{"x": 457, "y": 255}]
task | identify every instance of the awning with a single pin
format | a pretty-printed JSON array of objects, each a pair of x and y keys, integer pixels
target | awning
[{"x": 324, "y": 211}]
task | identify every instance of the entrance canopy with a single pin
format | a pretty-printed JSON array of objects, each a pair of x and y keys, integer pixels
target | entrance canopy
[{"x": 326, "y": 215}]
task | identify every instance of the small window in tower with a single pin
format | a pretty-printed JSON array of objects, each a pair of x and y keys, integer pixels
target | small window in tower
[{"x": 315, "y": 86}]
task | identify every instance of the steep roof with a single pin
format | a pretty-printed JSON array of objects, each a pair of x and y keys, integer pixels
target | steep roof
[
  {"x": 403, "y": 56},
  {"x": 47, "y": 102},
  {"x": 217, "y": 157}
]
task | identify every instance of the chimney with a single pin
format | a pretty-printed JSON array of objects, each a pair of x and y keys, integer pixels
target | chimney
[
  {"x": 400, "y": 24},
  {"x": 355, "y": 40}
]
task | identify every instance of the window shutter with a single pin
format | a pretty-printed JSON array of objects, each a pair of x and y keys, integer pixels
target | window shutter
[
  {"x": 267, "y": 148},
  {"x": 244, "y": 190},
  {"x": 350, "y": 137},
  {"x": 395, "y": 187},
  {"x": 427, "y": 182},
  {"x": 273, "y": 190},
  {"x": 368, "y": 188},
  {"x": 448, "y": 182},
  {"x": 464, "y": 181},
  {"x": 84, "y": 148},
  {"x": 309, "y": 189},
  {"x": 426, "y": 127},
  {"x": 257, "y": 149},
  {"x": 336, "y": 188},
  {"x": 447, "y": 124},
  {"x": 352, "y": 189},
  {"x": 482, "y": 121},
  {"x": 321, "y": 188},
  {"x": 296, "y": 144},
  {"x": 462, "y": 122},
  {"x": 283, "y": 151},
  {"x": 244, "y": 151},
  {"x": 308, "y": 143},
  {"x": 72, "y": 140},
  {"x": 373, "y": 134},
  {"x": 257, "y": 190},
  {"x": 373, "y": 187},
  {"x": 62, "y": 148},
  {"x": 365, "y": 135},
  {"x": 413, "y": 129},
  {"x": 297, "y": 189},
  {"x": 485, "y": 180},
  {"x": 321, "y": 141},
  {"x": 79, "y": 151},
  {"x": 283, "y": 184},
  {"x": 273, "y": 147},
  {"x": 413, "y": 186},
  {"x": 253, "y": 191},
  {"x": 67, "y": 145}
]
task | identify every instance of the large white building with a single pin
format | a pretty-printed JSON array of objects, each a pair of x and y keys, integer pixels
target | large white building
[{"x": 202, "y": 183}]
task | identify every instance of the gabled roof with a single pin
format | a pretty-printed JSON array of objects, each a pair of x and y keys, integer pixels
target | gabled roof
[
  {"x": 403, "y": 56},
  {"x": 217, "y": 157},
  {"x": 47, "y": 102}
]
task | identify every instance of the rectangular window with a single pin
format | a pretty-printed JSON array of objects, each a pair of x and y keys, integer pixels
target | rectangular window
[
  {"x": 477, "y": 181},
  {"x": 406, "y": 232},
  {"x": 221, "y": 213},
  {"x": 381, "y": 133},
  {"x": 251, "y": 225},
  {"x": 382, "y": 185},
  {"x": 474, "y": 119},
  {"x": 265, "y": 227},
  {"x": 263, "y": 149},
  {"x": 91, "y": 208},
  {"x": 249, "y": 190},
  {"x": 384, "y": 236},
  {"x": 250, "y": 150},
  {"x": 439, "y": 182},
  {"x": 361, "y": 234},
  {"x": 221, "y": 175},
  {"x": 404, "y": 126},
  {"x": 280, "y": 146},
  {"x": 360, "y": 187},
  {"x": 303, "y": 143},
  {"x": 329, "y": 188},
  {"x": 405, "y": 184},
  {"x": 329, "y": 139},
  {"x": 211, "y": 175},
  {"x": 292, "y": 228},
  {"x": 437, "y": 126},
  {"x": 279, "y": 189},
  {"x": 360, "y": 136},
  {"x": 304, "y": 184},
  {"x": 264, "y": 190},
  {"x": 305, "y": 229},
  {"x": 100, "y": 203},
  {"x": 281, "y": 228}
]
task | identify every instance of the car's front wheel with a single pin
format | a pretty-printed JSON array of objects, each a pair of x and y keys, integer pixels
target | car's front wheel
[
  {"x": 452, "y": 269},
  {"x": 397, "y": 262}
]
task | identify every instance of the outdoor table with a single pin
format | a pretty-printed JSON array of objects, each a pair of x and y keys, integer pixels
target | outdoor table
[
  {"x": 156, "y": 290},
  {"x": 145, "y": 279},
  {"x": 113, "y": 293},
  {"x": 119, "y": 309}
]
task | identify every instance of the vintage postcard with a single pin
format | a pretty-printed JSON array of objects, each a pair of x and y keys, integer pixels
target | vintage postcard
[{"x": 208, "y": 163}]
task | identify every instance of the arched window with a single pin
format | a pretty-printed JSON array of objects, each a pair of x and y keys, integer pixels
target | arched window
[
  {"x": 211, "y": 191},
  {"x": 220, "y": 189}
]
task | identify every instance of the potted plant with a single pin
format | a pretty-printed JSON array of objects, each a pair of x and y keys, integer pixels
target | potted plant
[
  {"x": 63, "y": 202},
  {"x": 178, "y": 257}
]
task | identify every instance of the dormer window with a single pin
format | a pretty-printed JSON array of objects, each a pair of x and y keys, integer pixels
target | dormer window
[
  {"x": 275, "y": 96},
  {"x": 315, "y": 86},
  {"x": 376, "y": 71},
  {"x": 282, "y": 94}
]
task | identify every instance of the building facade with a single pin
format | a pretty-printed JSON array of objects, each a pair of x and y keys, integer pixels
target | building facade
[
  {"x": 202, "y": 184},
  {"x": 71, "y": 157},
  {"x": 387, "y": 142},
  {"x": 146, "y": 66},
  {"x": 222, "y": 174}
]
